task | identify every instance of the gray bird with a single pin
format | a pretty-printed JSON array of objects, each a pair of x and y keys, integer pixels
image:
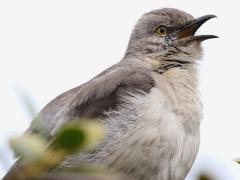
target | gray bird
[{"x": 149, "y": 102}]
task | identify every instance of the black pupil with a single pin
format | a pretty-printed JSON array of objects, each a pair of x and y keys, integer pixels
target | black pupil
[{"x": 162, "y": 30}]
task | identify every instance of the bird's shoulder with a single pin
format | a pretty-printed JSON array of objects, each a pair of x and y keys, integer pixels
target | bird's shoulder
[{"x": 94, "y": 98}]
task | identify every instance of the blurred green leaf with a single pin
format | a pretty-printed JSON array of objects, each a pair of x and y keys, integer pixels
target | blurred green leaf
[
  {"x": 205, "y": 176},
  {"x": 76, "y": 136},
  {"x": 29, "y": 147},
  {"x": 40, "y": 156},
  {"x": 70, "y": 138},
  {"x": 237, "y": 160}
]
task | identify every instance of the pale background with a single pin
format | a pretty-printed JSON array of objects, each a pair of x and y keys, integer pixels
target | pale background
[{"x": 50, "y": 46}]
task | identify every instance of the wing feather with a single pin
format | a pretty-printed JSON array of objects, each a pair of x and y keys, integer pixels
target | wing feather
[
  {"x": 93, "y": 98},
  {"x": 90, "y": 100}
]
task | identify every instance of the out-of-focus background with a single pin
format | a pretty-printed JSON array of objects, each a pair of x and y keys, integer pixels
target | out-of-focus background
[{"x": 48, "y": 47}]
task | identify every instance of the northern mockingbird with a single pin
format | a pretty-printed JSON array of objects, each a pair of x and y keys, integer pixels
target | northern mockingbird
[{"x": 149, "y": 102}]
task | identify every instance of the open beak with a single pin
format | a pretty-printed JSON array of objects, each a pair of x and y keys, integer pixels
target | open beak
[{"x": 190, "y": 28}]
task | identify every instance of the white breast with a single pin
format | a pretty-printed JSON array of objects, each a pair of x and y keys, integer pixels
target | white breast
[
  {"x": 156, "y": 145},
  {"x": 152, "y": 136}
]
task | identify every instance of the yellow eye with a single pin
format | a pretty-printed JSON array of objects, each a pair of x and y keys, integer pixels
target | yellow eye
[{"x": 161, "y": 31}]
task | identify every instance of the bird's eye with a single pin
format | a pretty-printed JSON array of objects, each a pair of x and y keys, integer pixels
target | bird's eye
[{"x": 161, "y": 31}]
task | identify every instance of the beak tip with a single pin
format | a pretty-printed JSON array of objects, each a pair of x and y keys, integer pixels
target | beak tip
[
  {"x": 214, "y": 37},
  {"x": 213, "y": 16},
  {"x": 208, "y": 17},
  {"x": 205, "y": 37}
]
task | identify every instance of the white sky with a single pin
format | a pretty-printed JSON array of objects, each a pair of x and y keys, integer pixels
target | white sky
[{"x": 48, "y": 47}]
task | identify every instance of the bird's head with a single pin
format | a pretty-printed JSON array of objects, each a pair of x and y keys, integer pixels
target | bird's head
[{"x": 168, "y": 34}]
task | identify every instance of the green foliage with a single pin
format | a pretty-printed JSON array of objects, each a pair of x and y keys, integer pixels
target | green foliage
[
  {"x": 205, "y": 177},
  {"x": 70, "y": 138},
  {"x": 79, "y": 135},
  {"x": 29, "y": 147},
  {"x": 39, "y": 156},
  {"x": 237, "y": 160}
]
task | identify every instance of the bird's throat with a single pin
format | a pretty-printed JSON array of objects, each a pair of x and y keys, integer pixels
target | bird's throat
[{"x": 165, "y": 65}]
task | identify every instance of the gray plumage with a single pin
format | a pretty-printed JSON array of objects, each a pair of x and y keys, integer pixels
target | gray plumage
[{"x": 149, "y": 102}]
